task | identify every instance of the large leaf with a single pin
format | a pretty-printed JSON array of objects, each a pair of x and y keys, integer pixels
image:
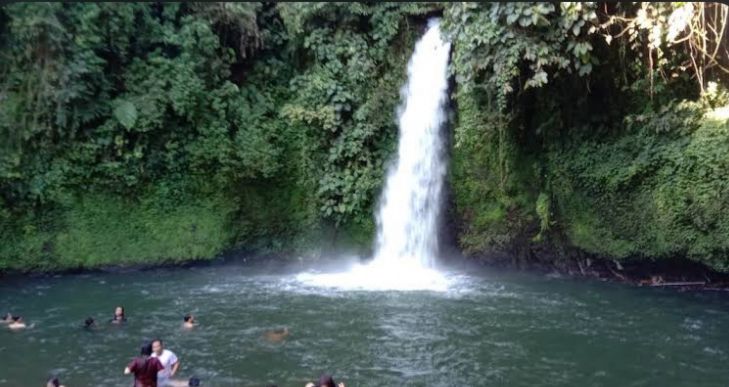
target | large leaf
[{"x": 126, "y": 114}]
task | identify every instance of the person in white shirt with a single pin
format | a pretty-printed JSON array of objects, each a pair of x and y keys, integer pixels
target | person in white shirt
[{"x": 169, "y": 361}]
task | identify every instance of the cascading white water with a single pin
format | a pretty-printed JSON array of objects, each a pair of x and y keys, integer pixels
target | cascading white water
[{"x": 407, "y": 221}]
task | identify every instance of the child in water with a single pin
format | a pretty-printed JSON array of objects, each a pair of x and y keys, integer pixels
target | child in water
[{"x": 18, "y": 323}]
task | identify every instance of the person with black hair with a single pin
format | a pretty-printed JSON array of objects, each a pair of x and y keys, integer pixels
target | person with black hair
[
  {"x": 54, "y": 382},
  {"x": 17, "y": 323},
  {"x": 144, "y": 368},
  {"x": 188, "y": 322},
  {"x": 119, "y": 316},
  {"x": 89, "y": 323},
  {"x": 169, "y": 360},
  {"x": 325, "y": 381}
]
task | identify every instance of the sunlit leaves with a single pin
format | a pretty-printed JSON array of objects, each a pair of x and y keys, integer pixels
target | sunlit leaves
[{"x": 500, "y": 38}]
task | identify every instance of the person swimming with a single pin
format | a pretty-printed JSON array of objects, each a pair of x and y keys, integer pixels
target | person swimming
[
  {"x": 188, "y": 321},
  {"x": 276, "y": 335},
  {"x": 119, "y": 316},
  {"x": 18, "y": 323},
  {"x": 90, "y": 323},
  {"x": 54, "y": 382},
  {"x": 325, "y": 381}
]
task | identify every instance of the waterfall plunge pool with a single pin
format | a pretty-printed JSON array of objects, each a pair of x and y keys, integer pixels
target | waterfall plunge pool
[{"x": 486, "y": 328}]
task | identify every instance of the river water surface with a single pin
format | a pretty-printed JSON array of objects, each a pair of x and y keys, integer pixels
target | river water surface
[{"x": 487, "y": 329}]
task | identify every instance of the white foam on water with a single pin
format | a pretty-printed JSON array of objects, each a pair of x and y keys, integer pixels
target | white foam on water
[
  {"x": 410, "y": 207},
  {"x": 402, "y": 276}
]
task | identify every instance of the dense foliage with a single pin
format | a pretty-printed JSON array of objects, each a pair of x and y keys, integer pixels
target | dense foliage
[
  {"x": 154, "y": 131},
  {"x": 144, "y": 132},
  {"x": 599, "y": 126}
]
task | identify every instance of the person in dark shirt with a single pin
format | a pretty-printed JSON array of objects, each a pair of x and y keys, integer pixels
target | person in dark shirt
[
  {"x": 144, "y": 368},
  {"x": 119, "y": 317}
]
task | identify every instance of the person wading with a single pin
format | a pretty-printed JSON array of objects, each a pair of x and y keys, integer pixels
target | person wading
[
  {"x": 144, "y": 368},
  {"x": 169, "y": 362}
]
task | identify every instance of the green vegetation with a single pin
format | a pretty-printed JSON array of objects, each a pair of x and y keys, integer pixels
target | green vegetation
[
  {"x": 593, "y": 125},
  {"x": 153, "y": 132}
]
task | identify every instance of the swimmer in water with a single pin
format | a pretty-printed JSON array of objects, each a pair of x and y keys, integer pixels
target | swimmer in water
[
  {"x": 90, "y": 323},
  {"x": 119, "y": 316},
  {"x": 325, "y": 381},
  {"x": 144, "y": 367},
  {"x": 188, "y": 322},
  {"x": 277, "y": 335},
  {"x": 18, "y": 323},
  {"x": 53, "y": 382}
]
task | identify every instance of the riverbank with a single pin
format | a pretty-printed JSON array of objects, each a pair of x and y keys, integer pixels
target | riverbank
[{"x": 675, "y": 273}]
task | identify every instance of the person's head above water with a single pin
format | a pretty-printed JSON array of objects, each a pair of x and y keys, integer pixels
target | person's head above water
[
  {"x": 89, "y": 322},
  {"x": 157, "y": 346},
  {"x": 53, "y": 382},
  {"x": 190, "y": 319},
  {"x": 326, "y": 381},
  {"x": 146, "y": 349},
  {"x": 193, "y": 382},
  {"x": 17, "y": 323},
  {"x": 119, "y": 316}
]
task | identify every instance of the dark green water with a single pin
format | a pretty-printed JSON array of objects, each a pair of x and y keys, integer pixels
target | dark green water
[{"x": 491, "y": 329}]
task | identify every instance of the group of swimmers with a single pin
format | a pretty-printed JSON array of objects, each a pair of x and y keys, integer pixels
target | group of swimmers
[
  {"x": 156, "y": 366},
  {"x": 188, "y": 321}
]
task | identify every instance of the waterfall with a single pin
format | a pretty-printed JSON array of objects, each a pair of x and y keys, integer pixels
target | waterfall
[{"x": 407, "y": 221}]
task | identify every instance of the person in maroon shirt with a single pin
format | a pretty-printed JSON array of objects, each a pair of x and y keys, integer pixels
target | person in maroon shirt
[{"x": 144, "y": 368}]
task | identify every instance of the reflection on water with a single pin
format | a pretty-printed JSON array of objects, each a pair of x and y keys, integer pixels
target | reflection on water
[{"x": 484, "y": 329}]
